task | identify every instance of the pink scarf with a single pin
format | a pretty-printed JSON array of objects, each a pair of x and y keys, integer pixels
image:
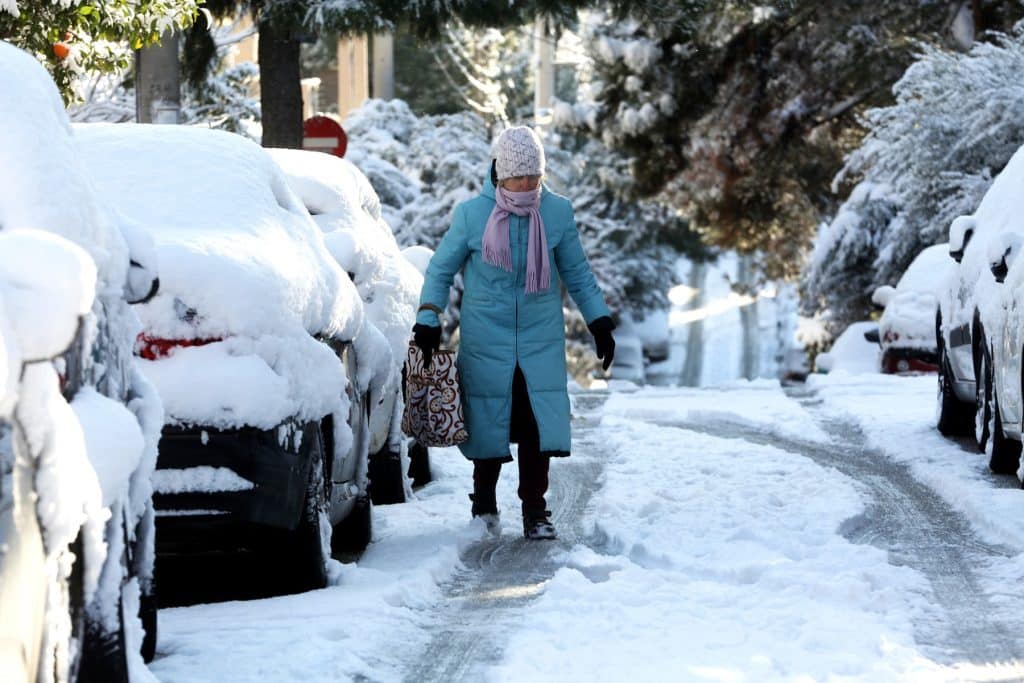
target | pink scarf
[{"x": 497, "y": 249}]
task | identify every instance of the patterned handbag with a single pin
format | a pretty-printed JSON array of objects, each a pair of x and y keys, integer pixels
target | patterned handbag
[{"x": 433, "y": 405}]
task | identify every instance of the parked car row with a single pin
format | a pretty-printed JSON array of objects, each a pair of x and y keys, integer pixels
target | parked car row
[
  {"x": 979, "y": 325},
  {"x": 233, "y": 384}
]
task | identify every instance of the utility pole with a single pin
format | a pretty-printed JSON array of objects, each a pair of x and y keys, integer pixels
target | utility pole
[
  {"x": 544, "y": 89},
  {"x": 157, "y": 86}
]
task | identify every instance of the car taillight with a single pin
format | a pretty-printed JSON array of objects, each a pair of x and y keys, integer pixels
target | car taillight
[{"x": 154, "y": 348}]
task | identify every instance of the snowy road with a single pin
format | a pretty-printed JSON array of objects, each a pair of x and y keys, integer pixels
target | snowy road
[{"x": 744, "y": 533}]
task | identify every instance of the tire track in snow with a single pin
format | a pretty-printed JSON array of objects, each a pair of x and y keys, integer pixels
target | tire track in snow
[
  {"x": 488, "y": 598},
  {"x": 917, "y": 529}
]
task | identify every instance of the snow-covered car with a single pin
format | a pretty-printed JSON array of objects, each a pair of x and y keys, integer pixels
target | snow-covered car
[
  {"x": 854, "y": 351},
  {"x": 257, "y": 346},
  {"x": 82, "y": 426},
  {"x": 1004, "y": 372},
  {"x": 345, "y": 206},
  {"x": 907, "y": 326},
  {"x": 969, "y": 305}
]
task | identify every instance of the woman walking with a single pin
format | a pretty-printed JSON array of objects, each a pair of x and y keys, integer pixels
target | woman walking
[{"x": 515, "y": 243}]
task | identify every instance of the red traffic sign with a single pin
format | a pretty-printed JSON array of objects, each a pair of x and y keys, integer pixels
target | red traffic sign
[{"x": 324, "y": 134}]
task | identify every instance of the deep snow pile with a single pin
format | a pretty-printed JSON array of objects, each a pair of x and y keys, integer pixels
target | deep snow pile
[{"x": 240, "y": 261}]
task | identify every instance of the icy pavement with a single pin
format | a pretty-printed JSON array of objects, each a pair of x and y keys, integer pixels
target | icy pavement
[{"x": 737, "y": 534}]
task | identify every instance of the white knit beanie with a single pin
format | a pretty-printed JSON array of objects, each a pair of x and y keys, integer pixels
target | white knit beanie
[{"x": 518, "y": 152}]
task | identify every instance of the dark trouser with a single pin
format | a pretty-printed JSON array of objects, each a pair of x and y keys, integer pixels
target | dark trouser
[
  {"x": 533, "y": 482},
  {"x": 533, "y": 465}
]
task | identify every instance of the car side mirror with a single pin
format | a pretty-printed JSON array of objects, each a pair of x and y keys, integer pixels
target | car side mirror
[
  {"x": 44, "y": 305},
  {"x": 872, "y": 336},
  {"x": 883, "y": 295},
  {"x": 961, "y": 230},
  {"x": 1002, "y": 252}
]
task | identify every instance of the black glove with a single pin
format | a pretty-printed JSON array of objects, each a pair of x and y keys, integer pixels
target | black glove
[
  {"x": 428, "y": 338},
  {"x": 602, "y": 328}
]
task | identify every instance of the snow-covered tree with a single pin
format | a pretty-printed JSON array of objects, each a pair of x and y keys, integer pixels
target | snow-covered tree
[
  {"x": 489, "y": 69},
  {"x": 421, "y": 166},
  {"x": 928, "y": 158},
  {"x": 739, "y": 113},
  {"x": 81, "y": 37}
]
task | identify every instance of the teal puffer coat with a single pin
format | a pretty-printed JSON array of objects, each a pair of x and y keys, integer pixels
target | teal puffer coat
[{"x": 502, "y": 325}]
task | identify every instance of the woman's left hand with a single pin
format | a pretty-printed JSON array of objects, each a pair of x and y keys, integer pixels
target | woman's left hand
[{"x": 602, "y": 328}]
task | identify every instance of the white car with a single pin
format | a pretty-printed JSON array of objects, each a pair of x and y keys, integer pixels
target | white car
[
  {"x": 907, "y": 326},
  {"x": 79, "y": 440},
  {"x": 257, "y": 346},
  {"x": 970, "y": 304},
  {"x": 343, "y": 203}
]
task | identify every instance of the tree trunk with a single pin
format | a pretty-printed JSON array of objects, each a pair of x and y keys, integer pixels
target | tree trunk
[
  {"x": 157, "y": 90},
  {"x": 693, "y": 363},
  {"x": 280, "y": 88},
  {"x": 751, "y": 355}
]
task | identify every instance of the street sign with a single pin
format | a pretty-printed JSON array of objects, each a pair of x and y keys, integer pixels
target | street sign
[{"x": 324, "y": 134}]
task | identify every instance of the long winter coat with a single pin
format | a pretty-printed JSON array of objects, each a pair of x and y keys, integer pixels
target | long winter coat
[{"x": 502, "y": 325}]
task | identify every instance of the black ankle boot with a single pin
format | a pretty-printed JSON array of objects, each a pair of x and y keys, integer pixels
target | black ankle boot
[{"x": 537, "y": 526}]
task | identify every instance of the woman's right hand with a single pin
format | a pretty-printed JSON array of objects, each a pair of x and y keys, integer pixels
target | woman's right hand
[{"x": 428, "y": 339}]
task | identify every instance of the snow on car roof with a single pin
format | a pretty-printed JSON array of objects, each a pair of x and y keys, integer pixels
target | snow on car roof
[
  {"x": 238, "y": 252},
  {"x": 926, "y": 272},
  {"x": 332, "y": 188},
  {"x": 347, "y": 209},
  {"x": 43, "y": 184}
]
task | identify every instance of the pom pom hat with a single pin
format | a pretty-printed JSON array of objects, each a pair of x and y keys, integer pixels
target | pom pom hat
[{"x": 518, "y": 152}]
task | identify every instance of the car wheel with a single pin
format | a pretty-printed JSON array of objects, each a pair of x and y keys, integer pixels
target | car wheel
[
  {"x": 419, "y": 464},
  {"x": 1005, "y": 458},
  {"x": 352, "y": 534},
  {"x": 105, "y": 651},
  {"x": 308, "y": 565},
  {"x": 953, "y": 416},
  {"x": 147, "y": 615},
  {"x": 387, "y": 481},
  {"x": 982, "y": 397}
]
